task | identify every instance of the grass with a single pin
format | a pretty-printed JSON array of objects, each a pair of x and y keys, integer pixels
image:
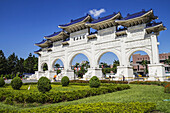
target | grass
[
  {"x": 137, "y": 93},
  {"x": 33, "y": 88}
]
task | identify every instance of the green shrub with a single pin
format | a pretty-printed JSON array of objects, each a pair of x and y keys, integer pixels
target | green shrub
[
  {"x": 55, "y": 97},
  {"x": 2, "y": 82},
  {"x": 94, "y": 82},
  {"x": 16, "y": 83},
  {"x": 100, "y": 107},
  {"x": 65, "y": 81},
  {"x": 9, "y": 100},
  {"x": 44, "y": 85}
]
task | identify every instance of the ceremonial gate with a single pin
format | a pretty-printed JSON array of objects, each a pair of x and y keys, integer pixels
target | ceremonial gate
[{"x": 121, "y": 36}]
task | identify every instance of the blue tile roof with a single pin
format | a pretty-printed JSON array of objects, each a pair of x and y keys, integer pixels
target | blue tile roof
[
  {"x": 152, "y": 24},
  {"x": 54, "y": 34},
  {"x": 43, "y": 41},
  {"x": 103, "y": 18},
  {"x": 74, "y": 21},
  {"x": 138, "y": 14}
]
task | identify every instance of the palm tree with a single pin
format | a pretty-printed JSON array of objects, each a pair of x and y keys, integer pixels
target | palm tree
[{"x": 144, "y": 64}]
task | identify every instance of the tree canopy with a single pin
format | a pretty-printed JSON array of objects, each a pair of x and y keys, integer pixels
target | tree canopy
[{"x": 13, "y": 65}]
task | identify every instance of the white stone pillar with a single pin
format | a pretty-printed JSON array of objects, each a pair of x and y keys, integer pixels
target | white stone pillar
[
  {"x": 94, "y": 70},
  {"x": 67, "y": 66},
  {"x": 155, "y": 52},
  {"x": 39, "y": 65},
  {"x": 156, "y": 69},
  {"x": 124, "y": 69}
]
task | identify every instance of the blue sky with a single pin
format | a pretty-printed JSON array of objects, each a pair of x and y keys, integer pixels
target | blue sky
[{"x": 25, "y": 22}]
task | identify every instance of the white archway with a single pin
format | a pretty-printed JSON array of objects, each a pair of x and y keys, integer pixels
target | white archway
[
  {"x": 102, "y": 53},
  {"x": 42, "y": 66},
  {"x": 54, "y": 61},
  {"x": 129, "y": 54},
  {"x": 72, "y": 56}
]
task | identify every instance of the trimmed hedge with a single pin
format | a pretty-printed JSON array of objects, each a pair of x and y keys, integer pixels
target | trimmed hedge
[
  {"x": 2, "y": 82},
  {"x": 51, "y": 97},
  {"x": 115, "y": 82},
  {"x": 16, "y": 83},
  {"x": 101, "y": 81},
  {"x": 107, "y": 107},
  {"x": 150, "y": 83}
]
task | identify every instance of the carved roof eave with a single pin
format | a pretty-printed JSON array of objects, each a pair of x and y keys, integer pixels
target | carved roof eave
[
  {"x": 37, "y": 53},
  {"x": 45, "y": 44},
  {"x": 76, "y": 26},
  {"x": 65, "y": 43},
  {"x": 159, "y": 27},
  {"x": 110, "y": 21},
  {"x": 144, "y": 18},
  {"x": 60, "y": 36},
  {"x": 92, "y": 36}
]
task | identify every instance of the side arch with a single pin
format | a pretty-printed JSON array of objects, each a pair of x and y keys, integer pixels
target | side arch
[
  {"x": 42, "y": 65},
  {"x": 100, "y": 54},
  {"x": 129, "y": 54},
  {"x": 54, "y": 60}
]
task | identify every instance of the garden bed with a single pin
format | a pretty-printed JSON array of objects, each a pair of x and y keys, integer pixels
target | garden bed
[
  {"x": 10, "y": 96},
  {"x": 107, "y": 107}
]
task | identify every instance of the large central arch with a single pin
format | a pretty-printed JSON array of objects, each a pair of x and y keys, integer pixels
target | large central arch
[{"x": 73, "y": 55}]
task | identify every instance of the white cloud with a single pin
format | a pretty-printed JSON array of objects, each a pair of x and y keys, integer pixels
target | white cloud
[{"x": 96, "y": 12}]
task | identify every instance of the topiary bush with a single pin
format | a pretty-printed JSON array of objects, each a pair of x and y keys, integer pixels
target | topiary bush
[
  {"x": 94, "y": 82},
  {"x": 44, "y": 85},
  {"x": 2, "y": 82},
  {"x": 16, "y": 83},
  {"x": 65, "y": 81}
]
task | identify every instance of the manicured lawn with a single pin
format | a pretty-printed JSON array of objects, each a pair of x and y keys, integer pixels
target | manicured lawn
[
  {"x": 33, "y": 88},
  {"x": 137, "y": 93}
]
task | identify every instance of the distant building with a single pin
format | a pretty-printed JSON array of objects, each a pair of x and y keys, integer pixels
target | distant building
[{"x": 138, "y": 58}]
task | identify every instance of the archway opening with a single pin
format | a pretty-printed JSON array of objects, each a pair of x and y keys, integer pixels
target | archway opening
[
  {"x": 139, "y": 60},
  {"x": 58, "y": 66},
  {"x": 45, "y": 67},
  {"x": 80, "y": 64},
  {"x": 108, "y": 62}
]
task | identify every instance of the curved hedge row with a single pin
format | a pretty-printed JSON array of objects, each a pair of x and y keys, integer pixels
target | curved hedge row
[
  {"x": 52, "y": 97},
  {"x": 102, "y": 81},
  {"x": 150, "y": 83},
  {"x": 107, "y": 107}
]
